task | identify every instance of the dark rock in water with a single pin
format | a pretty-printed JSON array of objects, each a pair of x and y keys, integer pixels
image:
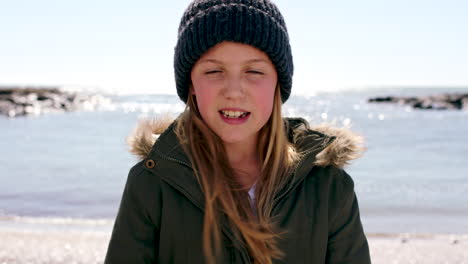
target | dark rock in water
[
  {"x": 436, "y": 102},
  {"x": 389, "y": 99},
  {"x": 22, "y": 101}
]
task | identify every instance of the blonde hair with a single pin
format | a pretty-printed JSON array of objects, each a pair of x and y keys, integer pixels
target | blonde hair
[{"x": 223, "y": 194}]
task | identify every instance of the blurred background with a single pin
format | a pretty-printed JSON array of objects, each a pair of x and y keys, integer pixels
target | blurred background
[{"x": 67, "y": 170}]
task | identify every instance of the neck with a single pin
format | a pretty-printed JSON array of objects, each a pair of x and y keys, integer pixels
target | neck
[{"x": 243, "y": 158}]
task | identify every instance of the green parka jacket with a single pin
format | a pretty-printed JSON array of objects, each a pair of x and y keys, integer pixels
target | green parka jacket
[{"x": 160, "y": 219}]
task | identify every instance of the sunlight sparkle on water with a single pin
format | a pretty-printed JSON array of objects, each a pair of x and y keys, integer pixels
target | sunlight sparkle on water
[{"x": 347, "y": 122}]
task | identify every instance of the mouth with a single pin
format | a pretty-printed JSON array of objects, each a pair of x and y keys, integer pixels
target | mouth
[{"x": 234, "y": 114}]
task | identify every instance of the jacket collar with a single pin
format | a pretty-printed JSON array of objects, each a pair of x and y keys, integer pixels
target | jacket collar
[
  {"x": 332, "y": 146},
  {"x": 320, "y": 146}
]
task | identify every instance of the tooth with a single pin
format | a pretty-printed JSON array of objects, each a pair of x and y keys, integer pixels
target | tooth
[
  {"x": 233, "y": 114},
  {"x": 227, "y": 113}
]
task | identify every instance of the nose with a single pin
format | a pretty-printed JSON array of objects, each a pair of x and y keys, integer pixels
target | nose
[{"x": 233, "y": 87}]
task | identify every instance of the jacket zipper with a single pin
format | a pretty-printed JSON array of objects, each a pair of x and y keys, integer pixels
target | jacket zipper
[
  {"x": 245, "y": 256},
  {"x": 173, "y": 159}
]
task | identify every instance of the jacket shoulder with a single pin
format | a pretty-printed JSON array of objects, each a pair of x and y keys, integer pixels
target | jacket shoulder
[
  {"x": 140, "y": 174},
  {"x": 331, "y": 185},
  {"x": 335, "y": 179},
  {"x": 138, "y": 219},
  {"x": 143, "y": 190}
]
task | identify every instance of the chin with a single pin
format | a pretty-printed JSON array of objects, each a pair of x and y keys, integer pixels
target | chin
[{"x": 232, "y": 140}]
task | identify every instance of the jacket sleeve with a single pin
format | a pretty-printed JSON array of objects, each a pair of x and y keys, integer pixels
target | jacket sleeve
[
  {"x": 135, "y": 236},
  {"x": 347, "y": 242}
]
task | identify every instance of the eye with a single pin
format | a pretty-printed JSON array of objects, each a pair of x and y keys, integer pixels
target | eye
[
  {"x": 212, "y": 72},
  {"x": 255, "y": 72}
]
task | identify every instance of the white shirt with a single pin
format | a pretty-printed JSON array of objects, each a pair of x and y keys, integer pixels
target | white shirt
[{"x": 252, "y": 198}]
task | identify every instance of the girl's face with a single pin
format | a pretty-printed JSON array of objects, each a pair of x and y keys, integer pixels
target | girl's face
[{"x": 234, "y": 85}]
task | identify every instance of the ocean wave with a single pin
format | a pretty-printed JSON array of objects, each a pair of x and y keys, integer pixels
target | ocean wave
[{"x": 65, "y": 221}]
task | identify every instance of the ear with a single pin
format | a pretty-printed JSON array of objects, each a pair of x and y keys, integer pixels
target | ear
[{"x": 191, "y": 90}]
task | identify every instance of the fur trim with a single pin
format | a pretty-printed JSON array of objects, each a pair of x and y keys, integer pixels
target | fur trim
[
  {"x": 347, "y": 145},
  {"x": 142, "y": 139}
]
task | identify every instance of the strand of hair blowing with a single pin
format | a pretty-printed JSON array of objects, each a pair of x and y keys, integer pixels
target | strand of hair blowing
[{"x": 224, "y": 197}]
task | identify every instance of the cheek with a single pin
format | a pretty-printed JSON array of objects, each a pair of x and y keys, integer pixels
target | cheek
[
  {"x": 205, "y": 98},
  {"x": 264, "y": 95},
  {"x": 203, "y": 103}
]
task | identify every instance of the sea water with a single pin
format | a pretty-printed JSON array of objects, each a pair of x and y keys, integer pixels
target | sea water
[{"x": 70, "y": 168}]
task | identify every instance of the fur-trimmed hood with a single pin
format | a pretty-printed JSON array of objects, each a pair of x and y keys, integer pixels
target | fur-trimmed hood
[{"x": 341, "y": 145}]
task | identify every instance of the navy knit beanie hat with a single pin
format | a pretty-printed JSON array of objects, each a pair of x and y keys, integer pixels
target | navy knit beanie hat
[{"x": 258, "y": 23}]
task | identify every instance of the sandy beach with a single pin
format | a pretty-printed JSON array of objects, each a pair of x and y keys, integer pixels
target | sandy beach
[{"x": 53, "y": 247}]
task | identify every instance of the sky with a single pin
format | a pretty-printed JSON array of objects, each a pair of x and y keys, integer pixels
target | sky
[{"x": 127, "y": 46}]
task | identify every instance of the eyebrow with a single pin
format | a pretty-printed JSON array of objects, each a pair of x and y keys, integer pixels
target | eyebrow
[{"x": 219, "y": 62}]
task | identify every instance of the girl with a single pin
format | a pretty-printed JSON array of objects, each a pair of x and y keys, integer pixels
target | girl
[{"x": 230, "y": 180}]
